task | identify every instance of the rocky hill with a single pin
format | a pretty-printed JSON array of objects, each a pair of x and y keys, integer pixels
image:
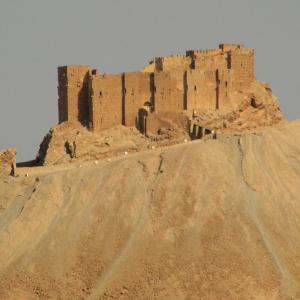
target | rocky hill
[
  {"x": 215, "y": 219},
  {"x": 70, "y": 141}
]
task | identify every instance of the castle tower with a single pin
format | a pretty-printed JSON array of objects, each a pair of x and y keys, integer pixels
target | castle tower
[
  {"x": 241, "y": 62},
  {"x": 73, "y": 101}
]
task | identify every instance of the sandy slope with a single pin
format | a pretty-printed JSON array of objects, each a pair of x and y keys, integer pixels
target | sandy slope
[{"x": 218, "y": 219}]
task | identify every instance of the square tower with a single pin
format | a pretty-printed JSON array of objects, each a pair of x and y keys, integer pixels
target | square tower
[{"x": 73, "y": 100}]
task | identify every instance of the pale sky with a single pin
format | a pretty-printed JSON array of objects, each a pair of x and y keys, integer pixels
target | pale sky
[{"x": 36, "y": 36}]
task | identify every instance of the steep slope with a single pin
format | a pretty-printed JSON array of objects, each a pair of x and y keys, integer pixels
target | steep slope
[{"x": 216, "y": 219}]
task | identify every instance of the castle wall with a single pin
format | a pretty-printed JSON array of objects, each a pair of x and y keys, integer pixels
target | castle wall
[
  {"x": 224, "y": 82},
  {"x": 210, "y": 61},
  {"x": 169, "y": 91},
  {"x": 201, "y": 91},
  {"x": 172, "y": 62},
  {"x": 73, "y": 94},
  {"x": 242, "y": 65},
  {"x": 106, "y": 96},
  {"x": 137, "y": 89}
]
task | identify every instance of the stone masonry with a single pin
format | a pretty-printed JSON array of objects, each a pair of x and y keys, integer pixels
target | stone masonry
[{"x": 200, "y": 79}]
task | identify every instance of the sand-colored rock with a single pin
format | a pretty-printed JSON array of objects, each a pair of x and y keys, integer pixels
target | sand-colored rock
[
  {"x": 7, "y": 161},
  {"x": 248, "y": 110},
  {"x": 201, "y": 220},
  {"x": 70, "y": 142}
]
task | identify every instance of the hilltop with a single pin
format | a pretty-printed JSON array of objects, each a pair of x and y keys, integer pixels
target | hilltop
[{"x": 178, "y": 181}]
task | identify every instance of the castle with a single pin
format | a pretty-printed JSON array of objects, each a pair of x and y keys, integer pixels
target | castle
[{"x": 178, "y": 84}]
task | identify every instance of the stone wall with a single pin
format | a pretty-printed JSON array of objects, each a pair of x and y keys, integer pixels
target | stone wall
[
  {"x": 106, "y": 94},
  {"x": 224, "y": 88},
  {"x": 201, "y": 89},
  {"x": 138, "y": 91},
  {"x": 172, "y": 62},
  {"x": 209, "y": 60},
  {"x": 73, "y": 94},
  {"x": 169, "y": 91},
  {"x": 242, "y": 65}
]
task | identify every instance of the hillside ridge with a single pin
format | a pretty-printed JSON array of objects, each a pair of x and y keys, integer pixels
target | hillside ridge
[{"x": 214, "y": 219}]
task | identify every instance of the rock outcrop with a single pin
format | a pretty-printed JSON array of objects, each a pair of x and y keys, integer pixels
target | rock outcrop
[
  {"x": 249, "y": 110},
  {"x": 8, "y": 161},
  {"x": 69, "y": 142}
]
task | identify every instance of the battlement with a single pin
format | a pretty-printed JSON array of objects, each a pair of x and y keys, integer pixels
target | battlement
[
  {"x": 198, "y": 79},
  {"x": 230, "y": 47},
  {"x": 200, "y": 52}
]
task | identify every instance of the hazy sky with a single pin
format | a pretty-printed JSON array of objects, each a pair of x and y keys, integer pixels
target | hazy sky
[{"x": 36, "y": 36}]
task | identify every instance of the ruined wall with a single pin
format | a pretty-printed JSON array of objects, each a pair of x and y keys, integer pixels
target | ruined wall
[
  {"x": 172, "y": 62},
  {"x": 201, "y": 89},
  {"x": 169, "y": 91},
  {"x": 106, "y": 96},
  {"x": 137, "y": 89},
  {"x": 209, "y": 60},
  {"x": 155, "y": 121},
  {"x": 73, "y": 93}
]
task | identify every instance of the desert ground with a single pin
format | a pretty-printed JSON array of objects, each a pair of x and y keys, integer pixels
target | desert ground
[{"x": 214, "y": 219}]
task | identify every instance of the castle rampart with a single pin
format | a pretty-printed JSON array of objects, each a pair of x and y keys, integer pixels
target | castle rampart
[
  {"x": 138, "y": 90},
  {"x": 200, "y": 79},
  {"x": 201, "y": 89},
  {"x": 169, "y": 91}
]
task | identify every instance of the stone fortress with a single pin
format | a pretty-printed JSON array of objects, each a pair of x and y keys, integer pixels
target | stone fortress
[
  {"x": 174, "y": 85},
  {"x": 204, "y": 94}
]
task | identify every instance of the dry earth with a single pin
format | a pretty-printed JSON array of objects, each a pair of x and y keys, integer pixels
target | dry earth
[{"x": 215, "y": 219}]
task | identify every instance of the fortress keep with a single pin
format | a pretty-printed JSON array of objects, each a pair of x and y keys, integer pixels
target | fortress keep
[{"x": 177, "y": 84}]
